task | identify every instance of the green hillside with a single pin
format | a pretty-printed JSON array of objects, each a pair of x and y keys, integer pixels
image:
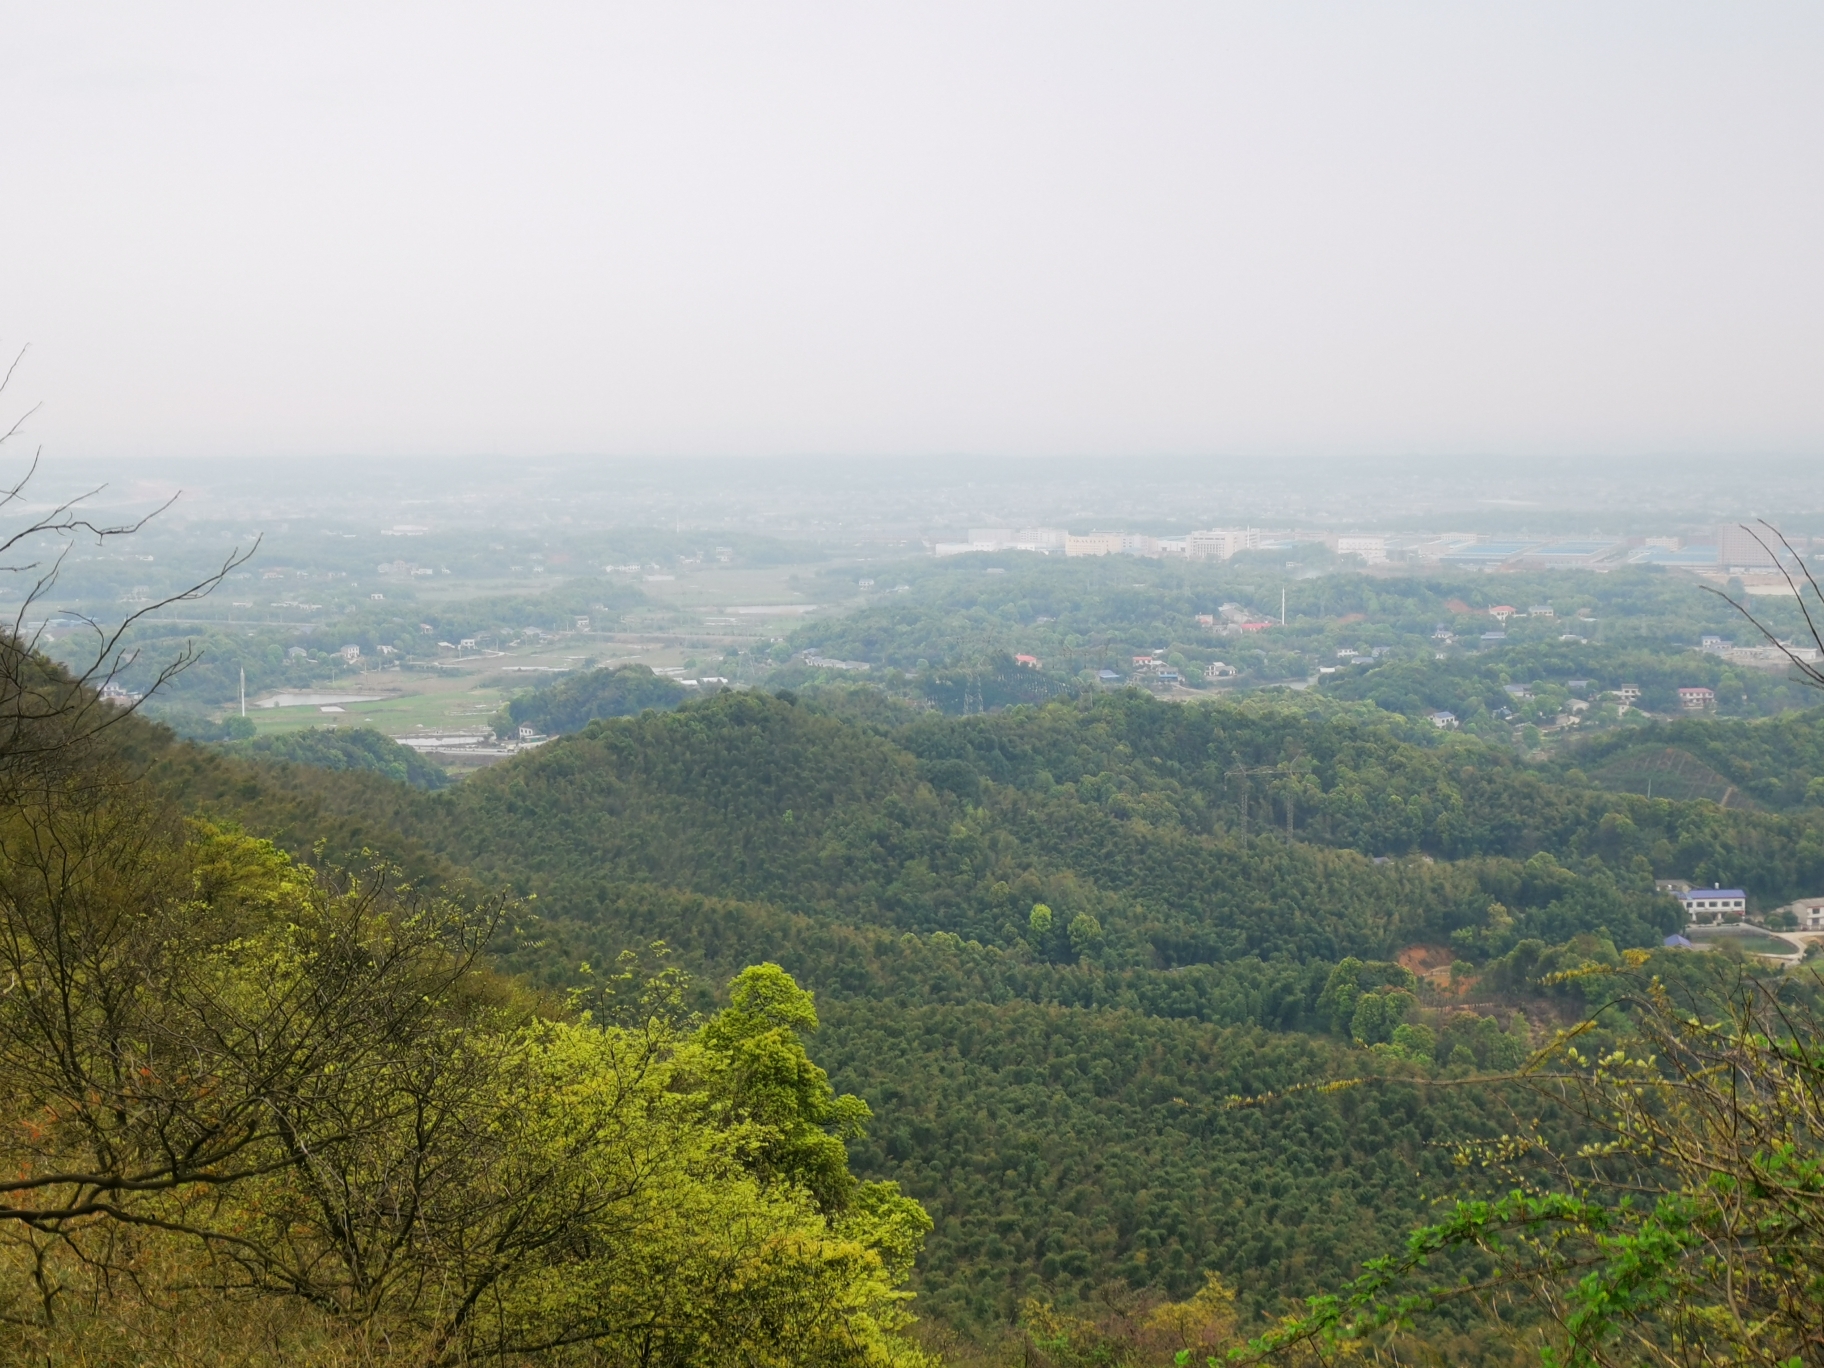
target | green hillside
[
  {"x": 1669, "y": 773},
  {"x": 1778, "y": 762},
  {"x": 1057, "y": 1091},
  {"x": 347, "y": 748},
  {"x": 1061, "y": 1148},
  {"x": 577, "y": 700},
  {"x": 1167, "y": 822}
]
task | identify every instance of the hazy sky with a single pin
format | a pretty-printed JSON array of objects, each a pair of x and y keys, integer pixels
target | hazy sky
[{"x": 889, "y": 230}]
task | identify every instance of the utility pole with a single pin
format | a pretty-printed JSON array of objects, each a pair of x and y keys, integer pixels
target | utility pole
[
  {"x": 1282, "y": 605},
  {"x": 1244, "y": 771},
  {"x": 243, "y": 691}
]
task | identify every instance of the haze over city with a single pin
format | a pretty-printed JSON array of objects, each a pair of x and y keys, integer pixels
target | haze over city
[{"x": 867, "y": 233}]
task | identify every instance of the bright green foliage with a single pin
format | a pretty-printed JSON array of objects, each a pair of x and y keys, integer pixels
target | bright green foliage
[
  {"x": 1415, "y": 1040},
  {"x": 1130, "y": 1330},
  {"x": 1377, "y": 1015},
  {"x": 1351, "y": 985},
  {"x": 769, "y": 1084},
  {"x": 279, "y": 1117},
  {"x": 1687, "y": 1230}
]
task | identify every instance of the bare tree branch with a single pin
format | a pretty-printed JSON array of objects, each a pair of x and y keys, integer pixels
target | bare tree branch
[
  {"x": 1812, "y": 672},
  {"x": 18, "y": 422},
  {"x": 50, "y": 709}
]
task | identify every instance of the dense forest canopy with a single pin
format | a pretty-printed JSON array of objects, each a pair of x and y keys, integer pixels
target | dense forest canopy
[
  {"x": 1053, "y": 943},
  {"x": 348, "y": 748},
  {"x": 1142, "y": 812},
  {"x": 572, "y": 702}
]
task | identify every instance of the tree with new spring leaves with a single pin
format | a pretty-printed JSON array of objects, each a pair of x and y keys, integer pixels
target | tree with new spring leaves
[
  {"x": 254, "y": 1112},
  {"x": 1688, "y": 1229}
]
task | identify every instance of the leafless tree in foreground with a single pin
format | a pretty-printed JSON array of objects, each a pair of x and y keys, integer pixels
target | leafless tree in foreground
[
  {"x": 49, "y": 711},
  {"x": 1811, "y": 671}
]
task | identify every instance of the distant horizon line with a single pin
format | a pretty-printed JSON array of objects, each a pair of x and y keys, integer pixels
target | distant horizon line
[{"x": 50, "y": 458}]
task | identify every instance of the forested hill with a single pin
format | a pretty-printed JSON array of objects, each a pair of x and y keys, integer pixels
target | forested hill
[
  {"x": 1170, "y": 823},
  {"x": 1778, "y": 761},
  {"x": 1051, "y": 942}
]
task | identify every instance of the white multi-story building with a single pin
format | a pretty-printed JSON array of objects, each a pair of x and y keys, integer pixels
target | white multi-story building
[
  {"x": 1220, "y": 543},
  {"x": 1373, "y": 550},
  {"x": 1041, "y": 539},
  {"x": 1707, "y": 906},
  {"x": 1808, "y": 912},
  {"x": 1740, "y": 549}
]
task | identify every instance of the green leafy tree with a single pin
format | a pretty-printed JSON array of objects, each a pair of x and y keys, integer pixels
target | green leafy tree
[
  {"x": 798, "y": 1125},
  {"x": 1686, "y": 1230},
  {"x": 1039, "y": 922},
  {"x": 1378, "y": 1015},
  {"x": 1085, "y": 934},
  {"x": 254, "y": 1113}
]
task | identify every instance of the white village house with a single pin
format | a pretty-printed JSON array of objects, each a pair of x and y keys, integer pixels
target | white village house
[
  {"x": 1809, "y": 912},
  {"x": 1713, "y": 906}
]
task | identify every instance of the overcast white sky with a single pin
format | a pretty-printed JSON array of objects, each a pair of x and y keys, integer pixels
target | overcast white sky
[{"x": 887, "y": 230}]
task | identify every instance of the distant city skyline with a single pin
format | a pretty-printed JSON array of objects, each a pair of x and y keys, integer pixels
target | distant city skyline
[{"x": 939, "y": 500}]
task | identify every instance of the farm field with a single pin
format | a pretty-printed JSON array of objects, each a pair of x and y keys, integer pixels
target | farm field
[
  {"x": 1666, "y": 772},
  {"x": 461, "y": 695}
]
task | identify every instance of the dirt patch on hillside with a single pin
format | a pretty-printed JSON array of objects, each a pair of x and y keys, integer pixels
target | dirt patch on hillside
[{"x": 1432, "y": 965}]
